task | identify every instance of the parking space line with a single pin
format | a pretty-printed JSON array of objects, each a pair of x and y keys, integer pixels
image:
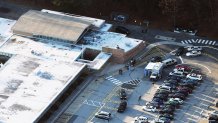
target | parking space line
[
  {"x": 186, "y": 42},
  {"x": 210, "y": 42},
  {"x": 206, "y": 42},
  {"x": 203, "y": 41},
  {"x": 189, "y": 41},
  {"x": 182, "y": 42},
  {"x": 199, "y": 41},
  {"x": 214, "y": 42},
  {"x": 194, "y": 40}
]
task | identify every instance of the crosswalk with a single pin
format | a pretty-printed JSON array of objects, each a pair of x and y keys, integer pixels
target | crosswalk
[
  {"x": 199, "y": 41},
  {"x": 133, "y": 82},
  {"x": 114, "y": 80}
]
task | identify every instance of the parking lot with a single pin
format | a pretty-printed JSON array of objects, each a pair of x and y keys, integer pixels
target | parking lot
[{"x": 102, "y": 94}]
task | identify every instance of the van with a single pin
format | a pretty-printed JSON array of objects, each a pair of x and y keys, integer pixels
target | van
[{"x": 169, "y": 62}]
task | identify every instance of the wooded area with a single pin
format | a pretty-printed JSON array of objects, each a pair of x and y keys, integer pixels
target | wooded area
[{"x": 200, "y": 14}]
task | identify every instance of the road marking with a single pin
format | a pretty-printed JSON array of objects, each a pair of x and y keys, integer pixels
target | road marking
[
  {"x": 189, "y": 41},
  {"x": 181, "y": 59},
  {"x": 199, "y": 41},
  {"x": 182, "y": 42},
  {"x": 210, "y": 42},
  {"x": 203, "y": 41},
  {"x": 113, "y": 80},
  {"x": 93, "y": 103},
  {"x": 194, "y": 40},
  {"x": 214, "y": 43},
  {"x": 206, "y": 41},
  {"x": 186, "y": 42},
  {"x": 202, "y": 66}
]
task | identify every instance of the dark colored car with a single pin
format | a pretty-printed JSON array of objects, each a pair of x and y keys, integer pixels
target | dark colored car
[
  {"x": 186, "y": 93},
  {"x": 166, "y": 120},
  {"x": 158, "y": 100},
  {"x": 156, "y": 59},
  {"x": 123, "y": 30},
  {"x": 166, "y": 110},
  {"x": 171, "y": 81},
  {"x": 171, "y": 107},
  {"x": 122, "y": 106},
  {"x": 174, "y": 78},
  {"x": 185, "y": 67},
  {"x": 189, "y": 85},
  {"x": 178, "y": 95},
  {"x": 190, "y": 81},
  {"x": 179, "y": 51},
  {"x": 189, "y": 90},
  {"x": 123, "y": 94},
  {"x": 161, "y": 96},
  {"x": 162, "y": 91},
  {"x": 167, "y": 116}
]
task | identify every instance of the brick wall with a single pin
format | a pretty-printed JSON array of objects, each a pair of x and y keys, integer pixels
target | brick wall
[{"x": 120, "y": 56}]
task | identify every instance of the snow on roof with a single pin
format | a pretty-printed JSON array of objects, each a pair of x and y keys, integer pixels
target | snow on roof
[
  {"x": 97, "y": 40},
  {"x": 96, "y": 22},
  {"x": 105, "y": 27},
  {"x": 150, "y": 66},
  {"x": 100, "y": 60},
  {"x": 5, "y": 29},
  {"x": 29, "y": 85},
  {"x": 50, "y": 50},
  {"x": 154, "y": 66}
]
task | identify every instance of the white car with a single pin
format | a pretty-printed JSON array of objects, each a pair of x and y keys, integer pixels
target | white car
[
  {"x": 176, "y": 99},
  {"x": 194, "y": 76},
  {"x": 196, "y": 48},
  {"x": 176, "y": 73},
  {"x": 169, "y": 62},
  {"x": 193, "y": 53},
  {"x": 103, "y": 115},
  {"x": 165, "y": 87},
  {"x": 141, "y": 119},
  {"x": 149, "y": 108},
  {"x": 180, "y": 70}
]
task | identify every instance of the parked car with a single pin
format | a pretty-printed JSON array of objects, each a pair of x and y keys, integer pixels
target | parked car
[
  {"x": 149, "y": 108},
  {"x": 156, "y": 59},
  {"x": 181, "y": 70},
  {"x": 191, "y": 81},
  {"x": 165, "y": 119},
  {"x": 158, "y": 100},
  {"x": 193, "y": 53},
  {"x": 169, "y": 62},
  {"x": 171, "y": 81},
  {"x": 177, "y": 95},
  {"x": 141, "y": 119},
  {"x": 172, "y": 107},
  {"x": 166, "y": 110},
  {"x": 183, "y": 88},
  {"x": 177, "y": 73},
  {"x": 162, "y": 91},
  {"x": 167, "y": 116},
  {"x": 123, "y": 30},
  {"x": 120, "y": 18},
  {"x": 185, "y": 67},
  {"x": 171, "y": 85},
  {"x": 180, "y": 101},
  {"x": 123, "y": 95},
  {"x": 165, "y": 87},
  {"x": 103, "y": 115},
  {"x": 122, "y": 106},
  {"x": 179, "y": 51},
  {"x": 188, "y": 85},
  {"x": 194, "y": 76},
  {"x": 191, "y": 48},
  {"x": 161, "y": 96}
]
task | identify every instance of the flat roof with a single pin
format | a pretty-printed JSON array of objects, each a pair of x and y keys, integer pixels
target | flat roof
[
  {"x": 29, "y": 85},
  {"x": 98, "y": 39},
  {"x": 49, "y": 50},
  {"x": 5, "y": 29},
  {"x": 51, "y": 25}
]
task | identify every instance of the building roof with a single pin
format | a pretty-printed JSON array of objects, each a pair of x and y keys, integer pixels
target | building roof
[{"x": 52, "y": 25}]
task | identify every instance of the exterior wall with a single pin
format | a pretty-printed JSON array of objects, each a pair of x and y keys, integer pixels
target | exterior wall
[
  {"x": 22, "y": 33},
  {"x": 120, "y": 56}
]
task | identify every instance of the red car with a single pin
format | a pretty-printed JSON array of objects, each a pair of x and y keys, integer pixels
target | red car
[
  {"x": 184, "y": 89},
  {"x": 186, "y": 67}
]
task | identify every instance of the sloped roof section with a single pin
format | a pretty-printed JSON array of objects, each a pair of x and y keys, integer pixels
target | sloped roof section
[{"x": 51, "y": 25}]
